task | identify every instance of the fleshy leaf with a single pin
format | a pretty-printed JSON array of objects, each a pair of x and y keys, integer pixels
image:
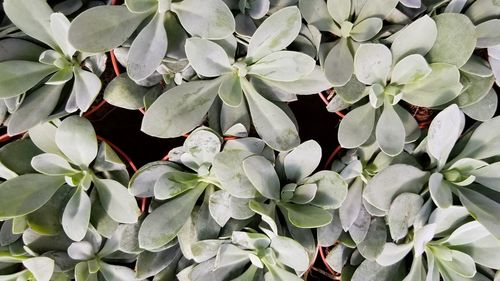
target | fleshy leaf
[
  {"x": 188, "y": 102},
  {"x": 275, "y": 33},
  {"x": 25, "y": 194}
]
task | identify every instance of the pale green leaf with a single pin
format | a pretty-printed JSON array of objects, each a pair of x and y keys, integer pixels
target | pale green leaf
[
  {"x": 392, "y": 181},
  {"x": 188, "y": 102},
  {"x": 272, "y": 124},
  {"x": 42, "y": 268},
  {"x": 148, "y": 49},
  {"x": 85, "y": 89},
  {"x": 487, "y": 33},
  {"x": 35, "y": 109},
  {"x": 390, "y": 131},
  {"x": 332, "y": 189},
  {"x": 76, "y": 138},
  {"x": 440, "y": 190},
  {"x": 302, "y": 160},
  {"x": 410, "y": 69},
  {"x": 76, "y": 216},
  {"x": 416, "y": 38},
  {"x": 393, "y": 253},
  {"x": 286, "y": 66},
  {"x": 27, "y": 193},
  {"x": 210, "y": 19},
  {"x": 443, "y": 132},
  {"x": 117, "y": 201},
  {"x": 230, "y": 90},
  {"x": 456, "y": 39},
  {"x": 32, "y": 17},
  {"x": 207, "y": 58},
  {"x": 52, "y": 165},
  {"x": 484, "y": 109},
  {"x": 357, "y": 126},
  {"x": 366, "y": 29},
  {"x": 59, "y": 26},
  {"x": 228, "y": 169},
  {"x": 340, "y": 10},
  {"x": 125, "y": 93},
  {"x": 156, "y": 232},
  {"x": 402, "y": 213},
  {"x": 307, "y": 216},
  {"x": 372, "y": 63},
  {"x": 339, "y": 63},
  {"x": 315, "y": 12},
  {"x": 290, "y": 253},
  {"x": 275, "y": 33},
  {"x": 102, "y": 28},
  {"x": 262, "y": 175},
  {"x": 17, "y": 77},
  {"x": 439, "y": 87}
]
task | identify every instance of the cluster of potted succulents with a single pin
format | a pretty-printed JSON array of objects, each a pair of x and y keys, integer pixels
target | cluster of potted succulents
[{"x": 246, "y": 197}]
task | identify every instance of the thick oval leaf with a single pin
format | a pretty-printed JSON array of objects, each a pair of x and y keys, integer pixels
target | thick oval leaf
[
  {"x": 290, "y": 253},
  {"x": 228, "y": 169},
  {"x": 52, "y": 165},
  {"x": 275, "y": 33},
  {"x": 332, "y": 189},
  {"x": 339, "y": 64},
  {"x": 142, "y": 6},
  {"x": 188, "y": 102},
  {"x": 76, "y": 216},
  {"x": 32, "y": 17},
  {"x": 262, "y": 175},
  {"x": 76, "y": 138},
  {"x": 390, "y": 131},
  {"x": 357, "y": 126},
  {"x": 207, "y": 58},
  {"x": 117, "y": 201},
  {"x": 456, "y": 39},
  {"x": 25, "y": 194},
  {"x": 125, "y": 93},
  {"x": 307, "y": 216},
  {"x": 272, "y": 124},
  {"x": 439, "y": 87},
  {"x": 148, "y": 49},
  {"x": 402, "y": 213},
  {"x": 35, "y": 109},
  {"x": 370, "y": 270},
  {"x": 444, "y": 131},
  {"x": 230, "y": 91},
  {"x": 315, "y": 12},
  {"x": 410, "y": 69},
  {"x": 42, "y": 268},
  {"x": 484, "y": 209},
  {"x": 103, "y": 28},
  {"x": 374, "y": 242},
  {"x": 372, "y": 63},
  {"x": 210, "y": 19},
  {"x": 59, "y": 25},
  {"x": 352, "y": 205},
  {"x": 340, "y": 10},
  {"x": 392, "y": 181},
  {"x": 17, "y": 77},
  {"x": 416, "y": 38},
  {"x": 286, "y": 66},
  {"x": 156, "y": 232},
  {"x": 485, "y": 109},
  {"x": 85, "y": 89},
  {"x": 142, "y": 182},
  {"x": 487, "y": 35},
  {"x": 302, "y": 160},
  {"x": 484, "y": 142},
  {"x": 366, "y": 29},
  {"x": 172, "y": 184},
  {"x": 440, "y": 190},
  {"x": 393, "y": 253}
]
